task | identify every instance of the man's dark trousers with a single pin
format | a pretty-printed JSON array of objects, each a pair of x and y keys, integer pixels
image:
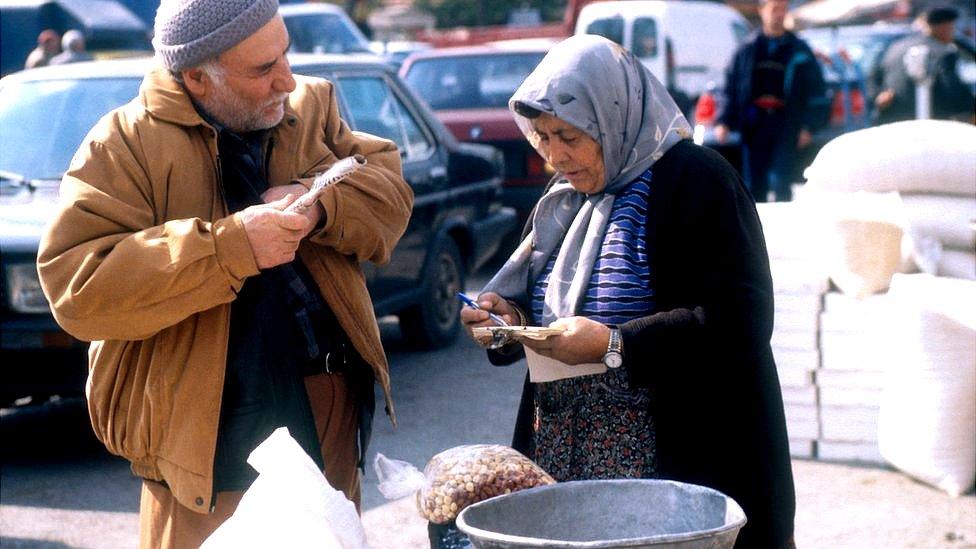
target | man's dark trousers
[{"x": 768, "y": 153}]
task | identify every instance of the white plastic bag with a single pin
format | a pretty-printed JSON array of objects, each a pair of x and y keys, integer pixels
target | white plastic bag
[{"x": 291, "y": 504}]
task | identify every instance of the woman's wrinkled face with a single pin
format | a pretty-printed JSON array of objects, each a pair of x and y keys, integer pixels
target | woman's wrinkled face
[{"x": 571, "y": 152}]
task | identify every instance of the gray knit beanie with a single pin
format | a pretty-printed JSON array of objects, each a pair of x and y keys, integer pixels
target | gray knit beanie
[{"x": 189, "y": 32}]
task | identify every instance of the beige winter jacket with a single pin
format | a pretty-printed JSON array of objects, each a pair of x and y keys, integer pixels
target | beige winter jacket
[{"x": 143, "y": 260}]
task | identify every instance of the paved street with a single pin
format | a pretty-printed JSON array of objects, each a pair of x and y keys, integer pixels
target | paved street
[{"x": 59, "y": 489}]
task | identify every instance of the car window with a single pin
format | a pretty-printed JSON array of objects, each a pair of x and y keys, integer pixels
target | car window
[
  {"x": 374, "y": 108},
  {"x": 470, "y": 81},
  {"x": 42, "y": 123},
  {"x": 322, "y": 33},
  {"x": 611, "y": 28},
  {"x": 645, "y": 37}
]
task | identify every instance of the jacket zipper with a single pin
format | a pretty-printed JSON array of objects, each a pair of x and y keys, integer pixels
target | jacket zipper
[
  {"x": 225, "y": 209},
  {"x": 220, "y": 184}
]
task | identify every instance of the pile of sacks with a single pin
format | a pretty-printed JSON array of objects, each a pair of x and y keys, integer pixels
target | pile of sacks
[
  {"x": 921, "y": 175},
  {"x": 898, "y": 375},
  {"x": 799, "y": 283}
]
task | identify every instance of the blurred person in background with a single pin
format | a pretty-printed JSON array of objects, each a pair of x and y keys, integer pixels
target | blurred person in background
[
  {"x": 775, "y": 96},
  {"x": 893, "y": 90},
  {"x": 215, "y": 315},
  {"x": 648, "y": 251},
  {"x": 73, "y": 46},
  {"x": 48, "y": 45}
]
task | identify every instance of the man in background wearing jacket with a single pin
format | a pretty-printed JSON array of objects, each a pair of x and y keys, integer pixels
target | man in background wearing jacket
[
  {"x": 892, "y": 89},
  {"x": 215, "y": 316},
  {"x": 775, "y": 97}
]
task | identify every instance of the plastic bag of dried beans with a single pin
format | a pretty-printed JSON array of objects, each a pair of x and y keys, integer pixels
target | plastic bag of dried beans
[{"x": 458, "y": 477}]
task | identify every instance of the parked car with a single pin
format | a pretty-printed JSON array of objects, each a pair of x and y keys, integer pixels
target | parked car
[
  {"x": 322, "y": 28},
  {"x": 469, "y": 88},
  {"x": 396, "y": 51},
  {"x": 457, "y": 222}
]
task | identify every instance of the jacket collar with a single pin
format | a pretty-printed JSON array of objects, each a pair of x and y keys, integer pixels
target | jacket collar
[{"x": 166, "y": 99}]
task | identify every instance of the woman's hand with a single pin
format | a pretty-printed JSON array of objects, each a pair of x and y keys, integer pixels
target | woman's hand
[
  {"x": 584, "y": 341},
  {"x": 489, "y": 302}
]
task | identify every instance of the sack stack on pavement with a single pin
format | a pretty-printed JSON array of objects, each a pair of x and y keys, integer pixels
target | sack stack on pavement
[
  {"x": 897, "y": 376},
  {"x": 799, "y": 283},
  {"x": 931, "y": 164},
  {"x": 856, "y": 341}
]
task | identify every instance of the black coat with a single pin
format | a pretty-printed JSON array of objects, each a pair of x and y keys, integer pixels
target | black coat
[
  {"x": 718, "y": 407},
  {"x": 807, "y": 104}
]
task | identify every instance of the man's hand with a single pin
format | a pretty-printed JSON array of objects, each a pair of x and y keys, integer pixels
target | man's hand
[
  {"x": 295, "y": 190},
  {"x": 884, "y": 99},
  {"x": 584, "y": 341},
  {"x": 721, "y": 133},
  {"x": 804, "y": 139},
  {"x": 273, "y": 234}
]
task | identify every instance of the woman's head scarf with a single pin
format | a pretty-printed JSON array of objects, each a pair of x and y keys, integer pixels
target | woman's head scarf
[{"x": 602, "y": 89}]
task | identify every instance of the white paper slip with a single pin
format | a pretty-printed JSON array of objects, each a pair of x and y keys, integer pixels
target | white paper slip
[{"x": 542, "y": 368}]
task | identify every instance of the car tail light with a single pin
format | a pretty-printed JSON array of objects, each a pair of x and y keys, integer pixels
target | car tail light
[
  {"x": 535, "y": 166},
  {"x": 705, "y": 109},
  {"x": 837, "y": 109},
  {"x": 857, "y": 102},
  {"x": 838, "y": 114}
]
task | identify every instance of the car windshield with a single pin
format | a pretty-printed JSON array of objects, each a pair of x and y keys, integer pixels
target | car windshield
[
  {"x": 323, "y": 33},
  {"x": 42, "y": 123},
  {"x": 611, "y": 28},
  {"x": 471, "y": 81}
]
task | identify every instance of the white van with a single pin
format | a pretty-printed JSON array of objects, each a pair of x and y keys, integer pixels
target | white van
[{"x": 686, "y": 44}]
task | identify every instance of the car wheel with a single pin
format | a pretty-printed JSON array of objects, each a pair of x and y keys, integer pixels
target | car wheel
[{"x": 435, "y": 322}]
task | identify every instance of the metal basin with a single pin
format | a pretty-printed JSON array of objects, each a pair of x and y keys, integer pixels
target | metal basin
[{"x": 605, "y": 513}]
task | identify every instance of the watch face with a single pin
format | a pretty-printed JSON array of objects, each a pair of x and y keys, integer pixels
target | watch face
[{"x": 613, "y": 359}]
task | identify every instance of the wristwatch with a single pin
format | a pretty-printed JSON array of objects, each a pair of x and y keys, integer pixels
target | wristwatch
[{"x": 614, "y": 356}]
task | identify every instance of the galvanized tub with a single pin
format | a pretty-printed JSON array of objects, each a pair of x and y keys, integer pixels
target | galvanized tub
[{"x": 605, "y": 513}]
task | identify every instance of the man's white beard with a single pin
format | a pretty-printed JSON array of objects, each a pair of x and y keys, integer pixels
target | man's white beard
[{"x": 238, "y": 115}]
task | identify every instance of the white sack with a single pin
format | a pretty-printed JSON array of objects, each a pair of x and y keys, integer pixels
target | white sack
[
  {"x": 786, "y": 227},
  {"x": 917, "y": 156},
  {"x": 291, "y": 504},
  {"x": 861, "y": 238},
  {"x": 957, "y": 264},
  {"x": 927, "y": 423},
  {"x": 948, "y": 219}
]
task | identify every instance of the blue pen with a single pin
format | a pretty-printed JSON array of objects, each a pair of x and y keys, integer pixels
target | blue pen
[{"x": 474, "y": 305}]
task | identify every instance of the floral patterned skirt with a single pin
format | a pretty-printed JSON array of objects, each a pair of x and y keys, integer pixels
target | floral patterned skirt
[{"x": 594, "y": 427}]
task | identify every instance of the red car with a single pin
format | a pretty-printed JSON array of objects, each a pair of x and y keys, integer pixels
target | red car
[{"x": 468, "y": 89}]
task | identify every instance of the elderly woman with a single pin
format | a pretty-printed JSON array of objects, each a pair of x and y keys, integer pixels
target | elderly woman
[{"x": 647, "y": 250}]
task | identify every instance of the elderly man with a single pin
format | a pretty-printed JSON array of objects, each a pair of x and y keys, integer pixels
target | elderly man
[
  {"x": 215, "y": 316},
  {"x": 775, "y": 97}
]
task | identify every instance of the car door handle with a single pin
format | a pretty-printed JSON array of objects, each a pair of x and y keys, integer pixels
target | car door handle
[{"x": 438, "y": 172}]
